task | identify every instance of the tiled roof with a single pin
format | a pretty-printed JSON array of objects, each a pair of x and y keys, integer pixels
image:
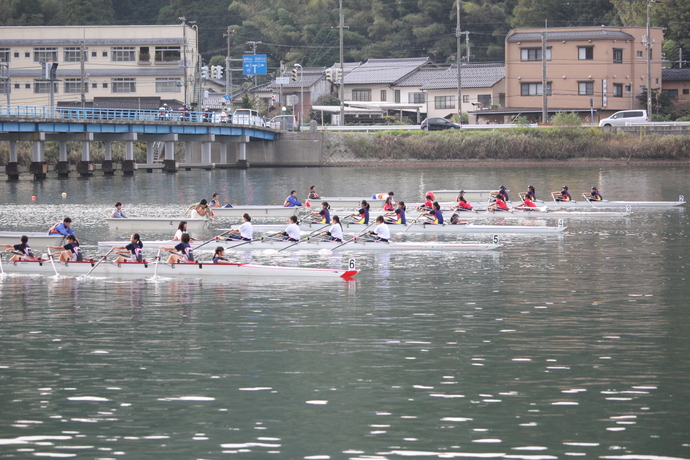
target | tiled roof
[
  {"x": 599, "y": 34},
  {"x": 384, "y": 71},
  {"x": 473, "y": 76},
  {"x": 310, "y": 75},
  {"x": 422, "y": 76},
  {"x": 675, "y": 74}
]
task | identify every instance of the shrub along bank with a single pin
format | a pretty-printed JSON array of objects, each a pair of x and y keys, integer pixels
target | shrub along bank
[{"x": 518, "y": 144}]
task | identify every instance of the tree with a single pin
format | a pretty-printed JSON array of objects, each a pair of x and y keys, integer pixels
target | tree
[
  {"x": 88, "y": 12},
  {"x": 324, "y": 99}
]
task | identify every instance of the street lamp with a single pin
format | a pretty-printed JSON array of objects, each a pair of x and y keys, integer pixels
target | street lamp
[{"x": 301, "y": 93}]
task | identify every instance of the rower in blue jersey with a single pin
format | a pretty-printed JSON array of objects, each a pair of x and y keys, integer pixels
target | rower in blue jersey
[
  {"x": 435, "y": 215},
  {"x": 322, "y": 216},
  {"x": 398, "y": 216},
  {"x": 594, "y": 195},
  {"x": 219, "y": 256},
  {"x": 132, "y": 251},
  {"x": 23, "y": 248},
  {"x": 184, "y": 252},
  {"x": 531, "y": 193},
  {"x": 363, "y": 213}
]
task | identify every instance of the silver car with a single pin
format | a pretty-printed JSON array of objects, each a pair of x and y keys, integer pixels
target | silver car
[{"x": 625, "y": 117}]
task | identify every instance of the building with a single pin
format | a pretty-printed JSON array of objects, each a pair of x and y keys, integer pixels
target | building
[
  {"x": 676, "y": 82},
  {"x": 483, "y": 86},
  {"x": 598, "y": 69},
  {"x": 119, "y": 62}
]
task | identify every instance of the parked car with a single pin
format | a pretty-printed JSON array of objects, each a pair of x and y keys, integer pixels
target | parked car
[
  {"x": 276, "y": 122},
  {"x": 435, "y": 124},
  {"x": 247, "y": 117},
  {"x": 624, "y": 117}
]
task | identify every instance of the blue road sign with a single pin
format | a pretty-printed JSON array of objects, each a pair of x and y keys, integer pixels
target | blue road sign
[{"x": 254, "y": 64}]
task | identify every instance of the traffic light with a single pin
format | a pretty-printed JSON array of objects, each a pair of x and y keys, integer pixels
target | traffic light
[
  {"x": 50, "y": 70},
  {"x": 214, "y": 72},
  {"x": 204, "y": 72},
  {"x": 294, "y": 75},
  {"x": 338, "y": 74},
  {"x": 219, "y": 72},
  {"x": 329, "y": 74}
]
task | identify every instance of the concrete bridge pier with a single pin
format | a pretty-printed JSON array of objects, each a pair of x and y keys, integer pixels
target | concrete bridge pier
[
  {"x": 62, "y": 166},
  {"x": 169, "y": 163},
  {"x": 242, "y": 162},
  {"x": 85, "y": 167},
  {"x": 107, "y": 165},
  {"x": 150, "y": 140},
  {"x": 39, "y": 167},
  {"x": 128, "y": 165},
  {"x": 206, "y": 141},
  {"x": 12, "y": 168}
]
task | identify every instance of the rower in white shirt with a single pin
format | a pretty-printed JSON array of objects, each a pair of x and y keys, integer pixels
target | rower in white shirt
[
  {"x": 335, "y": 233},
  {"x": 244, "y": 232},
  {"x": 292, "y": 232},
  {"x": 382, "y": 232}
]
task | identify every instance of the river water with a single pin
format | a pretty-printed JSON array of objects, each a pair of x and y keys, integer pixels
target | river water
[{"x": 554, "y": 347}]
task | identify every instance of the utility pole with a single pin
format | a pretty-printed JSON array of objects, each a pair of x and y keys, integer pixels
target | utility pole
[
  {"x": 82, "y": 52},
  {"x": 544, "y": 83},
  {"x": 467, "y": 45},
  {"x": 648, "y": 42},
  {"x": 458, "y": 60},
  {"x": 253, "y": 45},
  {"x": 341, "y": 88},
  {"x": 184, "y": 56},
  {"x": 301, "y": 93},
  {"x": 228, "y": 73}
]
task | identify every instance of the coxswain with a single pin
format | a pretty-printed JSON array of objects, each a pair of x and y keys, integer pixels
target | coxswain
[
  {"x": 23, "y": 247},
  {"x": 70, "y": 251},
  {"x": 292, "y": 231},
  {"x": 184, "y": 252},
  {"x": 62, "y": 228},
  {"x": 398, "y": 216},
  {"x": 132, "y": 251},
  {"x": 563, "y": 195},
  {"x": 594, "y": 195},
  {"x": 291, "y": 201},
  {"x": 322, "y": 216},
  {"x": 381, "y": 232},
  {"x": 435, "y": 215},
  {"x": 244, "y": 232}
]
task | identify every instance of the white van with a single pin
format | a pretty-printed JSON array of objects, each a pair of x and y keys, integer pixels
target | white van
[
  {"x": 247, "y": 117},
  {"x": 623, "y": 118}
]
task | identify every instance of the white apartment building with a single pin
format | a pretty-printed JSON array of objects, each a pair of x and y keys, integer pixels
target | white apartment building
[{"x": 119, "y": 61}]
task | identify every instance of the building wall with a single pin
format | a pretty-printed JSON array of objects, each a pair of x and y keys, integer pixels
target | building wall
[
  {"x": 566, "y": 70},
  {"x": 471, "y": 99},
  {"x": 680, "y": 89},
  {"x": 112, "y": 53}
]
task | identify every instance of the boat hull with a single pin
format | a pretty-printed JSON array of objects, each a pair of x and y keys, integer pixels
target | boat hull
[
  {"x": 160, "y": 224},
  {"x": 470, "y": 195},
  {"x": 257, "y": 212},
  {"x": 36, "y": 240},
  {"x": 607, "y": 204},
  {"x": 190, "y": 270},
  {"x": 422, "y": 228},
  {"x": 539, "y": 213}
]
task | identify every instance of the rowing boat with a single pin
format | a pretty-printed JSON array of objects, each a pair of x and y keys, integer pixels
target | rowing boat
[
  {"x": 611, "y": 204},
  {"x": 36, "y": 239},
  {"x": 450, "y": 195},
  {"x": 424, "y": 228},
  {"x": 156, "y": 224},
  {"x": 257, "y": 212},
  {"x": 541, "y": 213},
  {"x": 184, "y": 270},
  {"x": 344, "y": 202},
  {"x": 316, "y": 245}
]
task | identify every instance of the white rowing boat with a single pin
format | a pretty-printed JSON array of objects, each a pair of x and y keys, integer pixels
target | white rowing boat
[
  {"x": 36, "y": 239},
  {"x": 344, "y": 202},
  {"x": 470, "y": 195},
  {"x": 257, "y": 212},
  {"x": 160, "y": 224},
  {"x": 316, "y": 245},
  {"x": 541, "y": 213},
  {"x": 611, "y": 204},
  {"x": 185, "y": 270},
  {"x": 422, "y": 228}
]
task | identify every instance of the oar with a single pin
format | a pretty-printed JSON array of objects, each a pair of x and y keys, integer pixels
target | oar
[
  {"x": 212, "y": 239},
  {"x": 240, "y": 244},
  {"x": 83, "y": 277},
  {"x": 353, "y": 238},
  {"x": 413, "y": 222},
  {"x": 2, "y": 270},
  {"x": 52, "y": 262},
  {"x": 158, "y": 259},
  {"x": 302, "y": 241},
  {"x": 587, "y": 200}
]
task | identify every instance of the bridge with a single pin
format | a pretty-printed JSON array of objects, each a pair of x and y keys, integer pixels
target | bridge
[{"x": 159, "y": 130}]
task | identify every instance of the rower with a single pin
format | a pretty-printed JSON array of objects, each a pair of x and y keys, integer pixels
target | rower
[
  {"x": 363, "y": 213},
  {"x": 118, "y": 213},
  {"x": 502, "y": 192},
  {"x": 291, "y": 201},
  {"x": 244, "y": 232},
  {"x": 71, "y": 250},
  {"x": 428, "y": 204},
  {"x": 435, "y": 215},
  {"x": 292, "y": 232},
  {"x": 335, "y": 233},
  {"x": 463, "y": 204},
  {"x": 383, "y": 196},
  {"x": 397, "y": 217},
  {"x": 324, "y": 215},
  {"x": 215, "y": 201},
  {"x": 388, "y": 205},
  {"x": 527, "y": 204},
  {"x": 23, "y": 247},
  {"x": 455, "y": 220},
  {"x": 563, "y": 195},
  {"x": 498, "y": 205},
  {"x": 219, "y": 256},
  {"x": 181, "y": 228},
  {"x": 62, "y": 228},
  {"x": 184, "y": 252},
  {"x": 200, "y": 210},
  {"x": 382, "y": 232},
  {"x": 594, "y": 195},
  {"x": 132, "y": 252}
]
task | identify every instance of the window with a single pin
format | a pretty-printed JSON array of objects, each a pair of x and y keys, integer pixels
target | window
[
  {"x": 585, "y": 88},
  {"x": 585, "y": 53},
  {"x": 73, "y": 86},
  {"x": 639, "y": 55},
  {"x": 105, "y": 54},
  {"x": 672, "y": 93},
  {"x": 168, "y": 85},
  {"x": 617, "y": 90},
  {"x": 686, "y": 91},
  {"x": 444, "y": 102},
  {"x": 416, "y": 98},
  {"x": 484, "y": 100},
  {"x": 45, "y": 54},
  {"x": 94, "y": 54},
  {"x": 105, "y": 86},
  {"x": 27, "y": 86},
  {"x": 94, "y": 85},
  {"x": 643, "y": 88},
  {"x": 362, "y": 95},
  {"x": 122, "y": 54},
  {"x": 167, "y": 53},
  {"x": 43, "y": 87},
  {"x": 124, "y": 85},
  {"x": 144, "y": 55},
  {"x": 4, "y": 55},
  {"x": 16, "y": 86},
  {"x": 4, "y": 87},
  {"x": 72, "y": 54},
  {"x": 397, "y": 96},
  {"x": 617, "y": 56},
  {"x": 27, "y": 54},
  {"x": 628, "y": 88},
  {"x": 534, "y": 54},
  {"x": 534, "y": 89},
  {"x": 16, "y": 54},
  {"x": 383, "y": 95},
  {"x": 465, "y": 98}
]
